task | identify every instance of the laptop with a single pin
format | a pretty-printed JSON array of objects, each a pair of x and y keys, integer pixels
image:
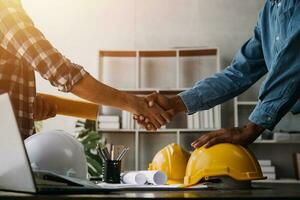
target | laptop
[{"x": 16, "y": 173}]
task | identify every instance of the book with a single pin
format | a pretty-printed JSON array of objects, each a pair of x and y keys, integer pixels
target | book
[
  {"x": 268, "y": 169},
  {"x": 108, "y": 118},
  {"x": 124, "y": 120},
  {"x": 270, "y": 176},
  {"x": 265, "y": 162},
  {"x": 201, "y": 119},
  {"x": 196, "y": 121},
  {"x": 217, "y": 118},
  {"x": 132, "y": 122},
  {"x": 296, "y": 159},
  {"x": 211, "y": 118},
  {"x": 108, "y": 125},
  {"x": 206, "y": 118},
  {"x": 128, "y": 120},
  {"x": 190, "y": 122}
]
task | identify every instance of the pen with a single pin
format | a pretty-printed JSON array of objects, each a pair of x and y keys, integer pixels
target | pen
[
  {"x": 106, "y": 153},
  {"x": 112, "y": 152},
  {"x": 124, "y": 153},
  {"x": 118, "y": 158}
]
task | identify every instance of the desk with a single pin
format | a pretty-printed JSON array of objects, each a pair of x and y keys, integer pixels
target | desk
[{"x": 259, "y": 191}]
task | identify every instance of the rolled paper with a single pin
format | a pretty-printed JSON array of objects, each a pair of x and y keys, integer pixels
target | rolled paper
[
  {"x": 155, "y": 177},
  {"x": 73, "y": 108},
  {"x": 135, "y": 178}
]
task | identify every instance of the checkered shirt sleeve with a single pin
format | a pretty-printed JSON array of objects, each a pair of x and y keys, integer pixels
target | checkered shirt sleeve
[{"x": 21, "y": 38}]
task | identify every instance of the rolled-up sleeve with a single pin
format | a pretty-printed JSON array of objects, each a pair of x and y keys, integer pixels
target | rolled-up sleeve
[
  {"x": 22, "y": 39},
  {"x": 246, "y": 68}
]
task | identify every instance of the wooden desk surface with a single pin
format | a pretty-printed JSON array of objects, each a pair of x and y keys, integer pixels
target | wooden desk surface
[{"x": 259, "y": 191}]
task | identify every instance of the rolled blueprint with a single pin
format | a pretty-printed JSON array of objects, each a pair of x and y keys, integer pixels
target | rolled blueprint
[
  {"x": 134, "y": 177},
  {"x": 155, "y": 177}
]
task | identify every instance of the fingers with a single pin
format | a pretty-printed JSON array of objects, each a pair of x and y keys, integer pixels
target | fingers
[
  {"x": 141, "y": 118},
  {"x": 159, "y": 99},
  {"x": 205, "y": 139},
  {"x": 216, "y": 140},
  {"x": 217, "y": 137},
  {"x": 157, "y": 124},
  {"x": 144, "y": 122},
  {"x": 151, "y": 99},
  {"x": 168, "y": 115},
  {"x": 156, "y": 114}
]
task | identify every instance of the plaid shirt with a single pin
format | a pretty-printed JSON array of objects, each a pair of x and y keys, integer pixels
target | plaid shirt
[{"x": 23, "y": 50}]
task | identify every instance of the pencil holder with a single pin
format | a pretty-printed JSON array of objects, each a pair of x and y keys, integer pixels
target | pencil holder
[{"x": 112, "y": 171}]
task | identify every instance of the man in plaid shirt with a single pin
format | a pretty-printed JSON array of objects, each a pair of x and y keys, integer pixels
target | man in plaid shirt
[{"x": 24, "y": 49}]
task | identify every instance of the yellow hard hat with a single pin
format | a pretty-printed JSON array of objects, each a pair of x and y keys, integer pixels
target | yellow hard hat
[
  {"x": 172, "y": 160},
  {"x": 220, "y": 160}
]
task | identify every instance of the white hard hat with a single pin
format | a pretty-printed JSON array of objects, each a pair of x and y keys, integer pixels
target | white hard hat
[{"x": 57, "y": 152}]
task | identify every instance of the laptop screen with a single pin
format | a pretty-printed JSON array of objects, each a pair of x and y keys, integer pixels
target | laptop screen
[{"x": 15, "y": 171}]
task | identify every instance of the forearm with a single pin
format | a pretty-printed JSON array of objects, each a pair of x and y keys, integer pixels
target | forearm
[{"x": 92, "y": 90}]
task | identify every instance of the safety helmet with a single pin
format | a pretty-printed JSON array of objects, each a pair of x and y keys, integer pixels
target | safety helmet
[
  {"x": 172, "y": 161},
  {"x": 57, "y": 152},
  {"x": 227, "y": 160}
]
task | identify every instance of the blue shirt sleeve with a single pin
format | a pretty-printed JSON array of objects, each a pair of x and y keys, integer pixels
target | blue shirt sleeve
[
  {"x": 246, "y": 68},
  {"x": 280, "y": 91}
]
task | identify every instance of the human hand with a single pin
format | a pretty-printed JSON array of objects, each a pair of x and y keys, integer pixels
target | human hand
[
  {"x": 243, "y": 136},
  {"x": 155, "y": 115},
  {"x": 43, "y": 109},
  {"x": 172, "y": 106}
]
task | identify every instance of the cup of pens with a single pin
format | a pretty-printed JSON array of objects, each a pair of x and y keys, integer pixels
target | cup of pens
[{"x": 111, "y": 163}]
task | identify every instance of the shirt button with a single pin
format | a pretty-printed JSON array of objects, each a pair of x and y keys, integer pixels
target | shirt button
[
  {"x": 269, "y": 118},
  {"x": 277, "y": 38}
]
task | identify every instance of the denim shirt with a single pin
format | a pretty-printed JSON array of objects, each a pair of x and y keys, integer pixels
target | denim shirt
[{"x": 274, "y": 51}]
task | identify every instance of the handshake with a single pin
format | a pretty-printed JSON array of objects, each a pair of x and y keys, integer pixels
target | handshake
[
  {"x": 162, "y": 110},
  {"x": 157, "y": 110}
]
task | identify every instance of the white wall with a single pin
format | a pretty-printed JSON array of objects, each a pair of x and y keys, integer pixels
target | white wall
[{"x": 80, "y": 28}]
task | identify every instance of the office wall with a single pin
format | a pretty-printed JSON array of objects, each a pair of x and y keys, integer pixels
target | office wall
[{"x": 80, "y": 28}]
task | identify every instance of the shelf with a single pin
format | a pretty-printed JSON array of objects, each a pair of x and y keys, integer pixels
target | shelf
[
  {"x": 116, "y": 131},
  {"x": 203, "y": 52},
  {"x": 276, "y": 142},
  {"x": 158, "y": 131},
  {"x": 165, "y": 71},
  {"x": 161, "y": 53},
  {"x": 247, "y": 103},
  {"x": 281, "y": 181},
  {"x": 153, "y": 54},
  {"x": 118, "y": 53},
  {"x": 196, "y": 130},
  {"x": 145, "y": 91}
]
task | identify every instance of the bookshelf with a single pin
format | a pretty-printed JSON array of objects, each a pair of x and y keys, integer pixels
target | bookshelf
[{"x": 169, "y": 72}]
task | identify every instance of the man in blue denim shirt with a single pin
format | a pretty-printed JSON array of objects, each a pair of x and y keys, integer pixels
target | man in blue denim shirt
[{"x": 274, "y": 51}]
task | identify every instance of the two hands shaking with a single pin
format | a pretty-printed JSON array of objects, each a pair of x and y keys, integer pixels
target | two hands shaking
[
  {"x": 171, "y": 106},
  {"x": 157, "y": 110}
]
